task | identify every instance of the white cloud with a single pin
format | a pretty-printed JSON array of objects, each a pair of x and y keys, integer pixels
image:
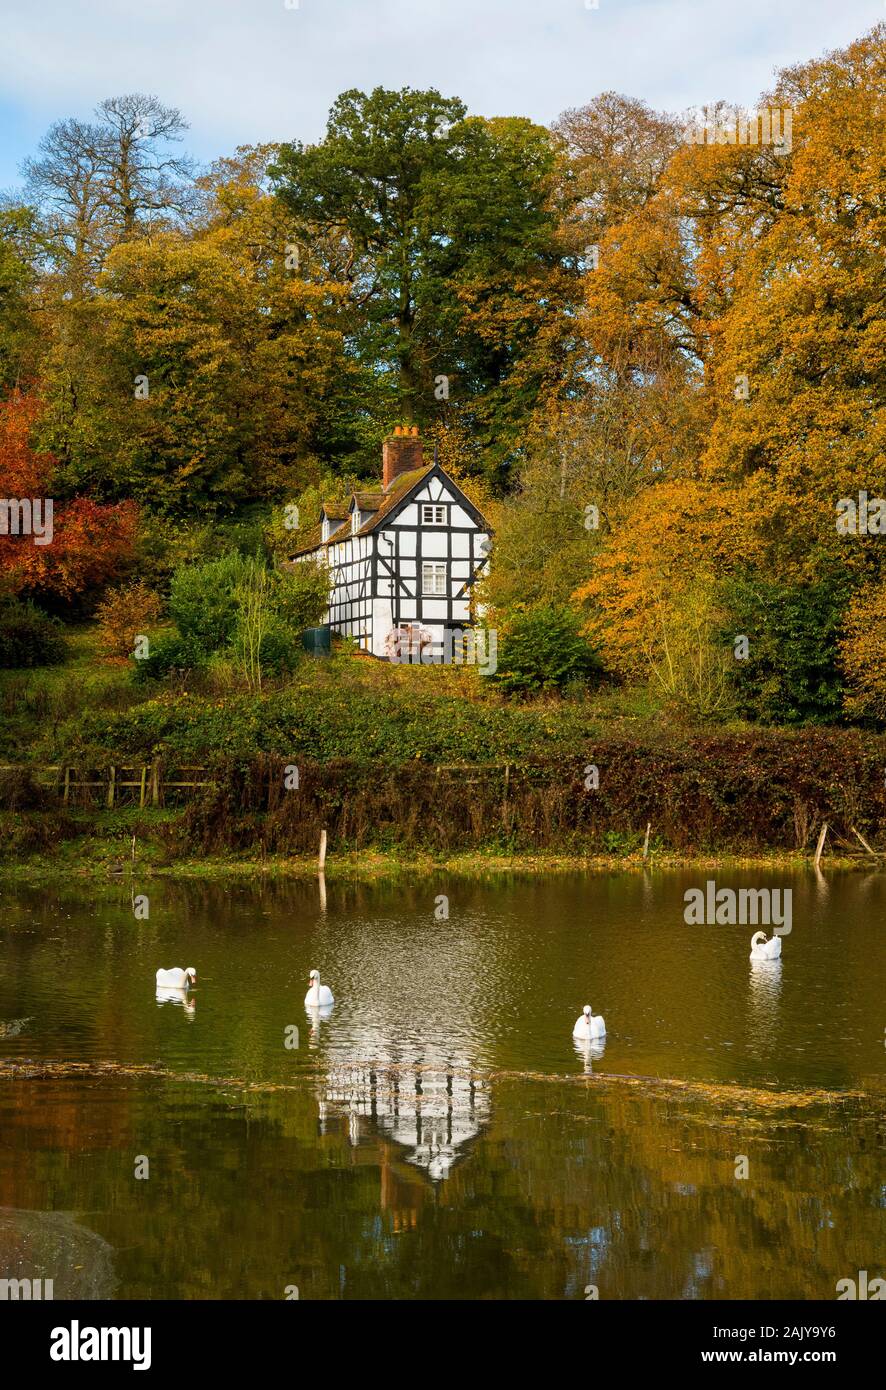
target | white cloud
[{"x": 250, "y": 70}]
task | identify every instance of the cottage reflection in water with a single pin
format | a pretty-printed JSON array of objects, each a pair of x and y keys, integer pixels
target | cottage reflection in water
[{"x": 432, "y": 1107}]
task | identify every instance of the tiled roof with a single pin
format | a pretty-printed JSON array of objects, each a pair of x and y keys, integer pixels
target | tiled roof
[
  {"x": 405, "y": 483},
  {"x": 382, "y": 502},
  {"x": 309, "y": 541}
]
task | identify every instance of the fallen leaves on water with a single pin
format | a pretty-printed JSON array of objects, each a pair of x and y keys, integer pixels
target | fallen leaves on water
[{"x": 726, "y": 1096}]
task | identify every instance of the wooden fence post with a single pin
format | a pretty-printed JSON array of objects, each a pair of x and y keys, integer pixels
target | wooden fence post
[
  {"x": 112, "y": 778},
  {"x": 858, "y": 835},
  {"x": 155, "y": 783},
  {"x": 821, "y": 839},
  {"x": 322, "y": 863}
]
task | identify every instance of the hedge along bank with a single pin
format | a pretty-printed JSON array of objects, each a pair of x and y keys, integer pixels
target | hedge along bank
[{"x": 705, "y": 793}]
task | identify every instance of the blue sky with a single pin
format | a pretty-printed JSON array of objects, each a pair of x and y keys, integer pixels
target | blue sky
[{"x": 244, "y": 71}]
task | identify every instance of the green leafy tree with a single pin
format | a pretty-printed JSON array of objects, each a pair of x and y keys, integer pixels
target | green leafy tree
[
  {"x": 20, "y": 337},
  {"x": 791, "y": 674},
  {"x": 443, "y": 226}
]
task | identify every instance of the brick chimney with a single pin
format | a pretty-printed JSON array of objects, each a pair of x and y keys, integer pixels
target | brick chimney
[{"x": 401, "y": 452}]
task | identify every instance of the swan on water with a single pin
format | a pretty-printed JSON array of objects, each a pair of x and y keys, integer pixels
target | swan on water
[
  {"x": 318, "y": 996},
  {"x": 176, "y": 978},
  {"x": 761, "y": 949},
  {"x": 589, "y": 1024}
]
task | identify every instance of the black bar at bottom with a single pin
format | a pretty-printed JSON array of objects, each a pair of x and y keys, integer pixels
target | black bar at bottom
[{"x": 571, "y": 1338}]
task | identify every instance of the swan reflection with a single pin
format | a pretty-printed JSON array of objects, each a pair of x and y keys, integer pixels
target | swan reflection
[
  {"x": 317, "y": 1016},
  {"x": 169, "y": 995},
  {"x": 589, "y": 1050},
  {"x": 764, "y": 999}
]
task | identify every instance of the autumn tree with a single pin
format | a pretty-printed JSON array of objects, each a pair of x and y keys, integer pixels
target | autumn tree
[
  {"x": 613, "y": 154},
  {"x": 675, "y": 540},
  {"x": 65, "y": 185},
  {"x": 863, "y": 653},
  {"x": 88, "y": 543},
  {"x": 757, "y": 271},
  {"x": 204, "y": 369},
  {"x": 806, "y": 329}
]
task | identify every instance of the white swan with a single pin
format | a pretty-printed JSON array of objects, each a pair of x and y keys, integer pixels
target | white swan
[
  {"x": 761, "y": 949},
  {"x": 318, "y": 996},
  {"x": 176, "y": 978},
  {"x": 589, "y": 1025}
]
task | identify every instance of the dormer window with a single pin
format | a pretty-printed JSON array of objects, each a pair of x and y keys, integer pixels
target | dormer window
[
  {"x": 355, "y": 522},
  {"x": 432, "y": 514}
]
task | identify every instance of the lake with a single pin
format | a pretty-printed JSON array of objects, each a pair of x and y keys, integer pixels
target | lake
[{"x": 439, "y": 1134}]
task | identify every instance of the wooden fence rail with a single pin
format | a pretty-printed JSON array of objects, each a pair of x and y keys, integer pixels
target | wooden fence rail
[
  {"x": 152, "y": 780},
  {"x": 149, "y": 780}
]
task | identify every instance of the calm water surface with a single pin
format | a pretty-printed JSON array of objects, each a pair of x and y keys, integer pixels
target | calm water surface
[{"x": 439, "y": 1134}]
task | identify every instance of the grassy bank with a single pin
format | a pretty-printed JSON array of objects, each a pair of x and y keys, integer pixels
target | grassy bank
[
  {"x": 422, "y": 766},
  {"x": 103, "y": 850},
  {"x": 347, "y": 707}
]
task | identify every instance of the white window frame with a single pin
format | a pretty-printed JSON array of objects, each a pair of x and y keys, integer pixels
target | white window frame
[
  {"x": 434, "y": 508},
  {"x": 439, "y": 575}
]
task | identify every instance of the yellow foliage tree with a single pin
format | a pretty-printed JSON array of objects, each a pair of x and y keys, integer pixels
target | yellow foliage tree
[
  {"x": 863, "y": 653},
  {"x": 652, "y": 600}
]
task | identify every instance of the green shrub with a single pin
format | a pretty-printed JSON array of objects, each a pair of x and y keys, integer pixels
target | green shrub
[
  {"x": 170, "y": 651},
  {"x": 280, "y": 648},
  {"x": 245, "y": 534},
  {"x": 302, "y": 595},
  {"x": 542, "y": 648},
  {"x": 203, "y": 602},
  {"x": 236, "y": 606},
  {"x": 164, "y": 545},
  {"x": 28, "y": 637}
]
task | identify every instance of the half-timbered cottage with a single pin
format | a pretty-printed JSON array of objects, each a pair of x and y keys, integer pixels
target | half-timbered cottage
[{"x": 402, "y": 559}]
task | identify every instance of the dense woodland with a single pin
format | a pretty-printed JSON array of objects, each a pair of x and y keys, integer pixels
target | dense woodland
[{"x": 657, "y": 365}]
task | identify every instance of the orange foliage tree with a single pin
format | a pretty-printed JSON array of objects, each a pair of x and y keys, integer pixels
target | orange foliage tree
[
  {"x": 760, "y": 269},
  {"x": 90, "y": 542},
  {"x": 667, "y": 550}
]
